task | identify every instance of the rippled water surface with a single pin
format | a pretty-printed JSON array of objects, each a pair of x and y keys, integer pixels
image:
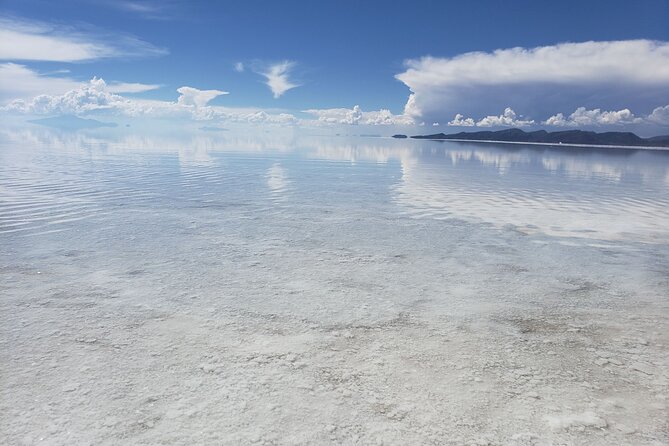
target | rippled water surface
[
  {"x": 50, "y": 181},
  {"x": 319, "y": 223},
  {"x": 184, "y": 288}
]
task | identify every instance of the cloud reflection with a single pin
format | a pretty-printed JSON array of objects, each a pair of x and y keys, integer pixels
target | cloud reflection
[{"x": 601, "y": 194}]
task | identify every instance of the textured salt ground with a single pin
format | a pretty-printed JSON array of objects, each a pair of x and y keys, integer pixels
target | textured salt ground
[
  {"x": 241, "y": 302},
  {"x": 478, "y": 337},
  {"x": 84, "y": 363}
]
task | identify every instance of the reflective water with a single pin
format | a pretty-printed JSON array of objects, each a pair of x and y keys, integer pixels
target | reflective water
[
  {"x": 385, "y": 266},
  {"x": 51, "y": 180}
]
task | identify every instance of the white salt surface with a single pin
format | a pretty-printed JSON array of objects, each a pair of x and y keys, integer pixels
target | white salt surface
[{"x": 311, "y": 291}]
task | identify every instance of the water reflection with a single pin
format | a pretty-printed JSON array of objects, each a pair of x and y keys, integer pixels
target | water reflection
[
  {"x": 277, "y": 180},
  {"x": 613, "y": 195},
  {"x": 50, "y": 178}
]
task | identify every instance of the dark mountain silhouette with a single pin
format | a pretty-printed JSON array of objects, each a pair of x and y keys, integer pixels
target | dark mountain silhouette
[{"x": 562, "y": 137}]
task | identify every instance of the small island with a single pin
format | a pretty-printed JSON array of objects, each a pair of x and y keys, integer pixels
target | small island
[
  {"x": 569, "y": 137},
  {"x": 399, "y": 136}
]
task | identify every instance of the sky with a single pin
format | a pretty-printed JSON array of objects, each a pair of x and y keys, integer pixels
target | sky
[{"x": 420, "y": 66}]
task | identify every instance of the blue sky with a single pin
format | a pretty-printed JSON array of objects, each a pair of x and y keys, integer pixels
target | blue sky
[{"x": 341, "y": 54}]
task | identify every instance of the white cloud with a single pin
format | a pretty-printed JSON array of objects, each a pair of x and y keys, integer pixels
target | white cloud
[
  {"x": 557, "y": 120},
  {"x": 583, "y": 117},
  {"x": 198, "y": 98},
  {"x": 20, "y": 82},
  {"x": 435, "y": 124},
  {"x": 140, "y": 7},
  {"x": 92, "y": 96},
  {"x": 660, "y": 115},
  {"x": 24, "y": 40},
  {"x": 130, "y": 87},
  {"x": 461, "y": 121},
  {"x": 385, "y": 117},
  {"x": 96, "y": 97},
  {"x": 338, "y": 115},
  {"x": 506, "y": 119},
  {"x": 566, "y": 63},
  {"x": 355, "y": 116},
  {"x": 264, "y": 117},
  {"x": 540, "y": 80},
  {"x": 239, "y": 67},
  {"x": 154, "y": 9},
  {"x": 277, "y": 78},
  {"x": 16, "y": 45},
  {"x": 411, "y": 108}
]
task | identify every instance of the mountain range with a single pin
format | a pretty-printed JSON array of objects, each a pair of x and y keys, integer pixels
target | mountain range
[{"x": 562, "y": 137}]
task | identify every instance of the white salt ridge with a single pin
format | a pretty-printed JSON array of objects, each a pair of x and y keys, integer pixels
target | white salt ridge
[{"x": 568, "y": 420}]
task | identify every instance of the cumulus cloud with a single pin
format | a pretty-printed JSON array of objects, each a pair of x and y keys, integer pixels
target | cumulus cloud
[
  {"x": 338, "y": 115},
  {"x": 506, "y": 119},
  {"x": 30, "y": 40},
  {"x": 610, "y": 75},
  {"x": 198, "y": 98},
  {"x": 461, "y": 121},
  {"x": 20, "y": 82},
  {"x": 91, "y": 96},
  {"x": 96, "y": 97},
  {"x": 277, "y": 78},
  {"x": 355, "y": 116},
  {"x": 660, "y": 115},
  {"x": 583, "y": 117}
]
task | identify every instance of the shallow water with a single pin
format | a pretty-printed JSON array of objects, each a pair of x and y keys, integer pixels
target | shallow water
[{"x": 301, "y": 290}]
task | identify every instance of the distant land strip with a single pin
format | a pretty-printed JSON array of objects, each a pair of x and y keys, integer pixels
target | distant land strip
[{"x": 568, "y": 137}]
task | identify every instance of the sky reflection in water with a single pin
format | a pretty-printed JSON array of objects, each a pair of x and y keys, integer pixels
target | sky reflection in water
[{"x": 51, "y": 179}]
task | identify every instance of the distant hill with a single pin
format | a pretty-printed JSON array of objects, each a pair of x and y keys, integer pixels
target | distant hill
[
  {"x": 563, "y": 137},
  {"x": 69, "y": 122}
]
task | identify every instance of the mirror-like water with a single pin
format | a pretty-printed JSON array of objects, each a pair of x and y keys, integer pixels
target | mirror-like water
[{"x": 230, "y": 289}]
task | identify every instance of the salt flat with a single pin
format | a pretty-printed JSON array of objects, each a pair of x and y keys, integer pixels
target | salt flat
[{"x": 301, "y": 290}]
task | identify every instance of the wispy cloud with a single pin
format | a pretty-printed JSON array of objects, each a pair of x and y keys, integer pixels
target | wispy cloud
[
  {"x": 130, "y": 87},
  {"x": 137, "y": 6},
  {"x": 277, "y": 77},
  {"x": 146, "y": 9},
  {"x": 239, "y": 67},
  {"x": 19, "y": 81},
  {"x": 22, "y": 40}
]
